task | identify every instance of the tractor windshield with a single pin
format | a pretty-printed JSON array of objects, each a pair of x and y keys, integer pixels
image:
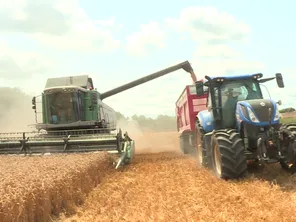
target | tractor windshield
[
  {"x": 240, "y": 90},
  {"x": 62, "y": 107},
  {"x": 232, "y": 91}
]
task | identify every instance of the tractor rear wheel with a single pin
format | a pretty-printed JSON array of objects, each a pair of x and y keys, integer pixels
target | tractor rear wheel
[
  {"x": 289, "y": 136},
  {"x": 228, "y": 155}
]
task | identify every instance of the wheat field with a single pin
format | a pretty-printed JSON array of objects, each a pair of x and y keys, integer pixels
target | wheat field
[
  {"x": 39, "y": 188},
  {"x": 160, "y": 185}
]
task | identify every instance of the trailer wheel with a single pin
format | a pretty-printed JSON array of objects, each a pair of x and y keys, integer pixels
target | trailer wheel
[
  {"x": 288, "y": 132},
  {"x": 228, "y": 155},
  {"x": 185, "y": 144}
]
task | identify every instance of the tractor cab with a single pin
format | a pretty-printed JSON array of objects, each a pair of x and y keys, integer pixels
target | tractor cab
[
  {"x": 225, "y": 92},
  {"x": 231, "y": 91}
]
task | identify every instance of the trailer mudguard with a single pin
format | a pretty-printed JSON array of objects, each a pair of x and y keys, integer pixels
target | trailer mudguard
[{"x": 206, "y": 120}]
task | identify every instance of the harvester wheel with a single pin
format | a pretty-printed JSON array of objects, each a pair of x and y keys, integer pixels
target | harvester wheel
[
  {"x": 228, "y": 155},
  {"x": 200, "y": 146},
  {"x": 288, "y": 132}
]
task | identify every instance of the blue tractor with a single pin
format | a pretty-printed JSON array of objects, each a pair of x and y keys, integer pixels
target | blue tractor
[{"x": 240, "y": 128}]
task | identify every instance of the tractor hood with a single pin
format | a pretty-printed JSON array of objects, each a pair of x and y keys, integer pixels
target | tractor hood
[{"x": 258, "y": 111}]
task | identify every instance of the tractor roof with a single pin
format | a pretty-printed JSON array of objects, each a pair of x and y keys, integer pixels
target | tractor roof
[
  {"x": 82, "y": 81},
  {"x": 243, "y": 76},
  {"x": 236, "y": 77}
]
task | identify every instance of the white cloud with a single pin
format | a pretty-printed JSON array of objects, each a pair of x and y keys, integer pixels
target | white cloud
[
  {"x": 16, "y": 65},
  {"x": 287, "y": 94},
  {"x": 215, "y": 51},
  {"x": 150, "y": 35},
  {"x": 214, "y": 60},
  {"x": 207, "y": 24},
  {"x": 106, "y": 22},
  {"x": 61, "y": 24},
  {"x": 229, "y": 67}
]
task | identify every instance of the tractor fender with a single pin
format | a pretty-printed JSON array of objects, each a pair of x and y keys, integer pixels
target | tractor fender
[{"x": 206, "y": 120}]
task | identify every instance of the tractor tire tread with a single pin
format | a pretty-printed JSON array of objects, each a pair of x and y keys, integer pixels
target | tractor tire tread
[
  {"x": 234, "y": 164},
  {"x": 199, "y": 127}
]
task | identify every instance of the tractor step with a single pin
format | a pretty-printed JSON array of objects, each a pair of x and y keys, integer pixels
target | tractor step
[{"x": 269, "y": 161}]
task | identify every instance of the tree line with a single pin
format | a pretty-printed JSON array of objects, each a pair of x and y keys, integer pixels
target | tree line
[{"x": 287, "y": 110}]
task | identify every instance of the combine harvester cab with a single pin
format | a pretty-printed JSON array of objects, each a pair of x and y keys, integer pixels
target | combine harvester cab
[
  {"x": 240, "y": 127},
  {"x": 75, "y": 119}
]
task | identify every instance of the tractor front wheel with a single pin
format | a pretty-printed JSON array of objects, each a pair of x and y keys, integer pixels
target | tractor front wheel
[{"x": 228, "y": 155}]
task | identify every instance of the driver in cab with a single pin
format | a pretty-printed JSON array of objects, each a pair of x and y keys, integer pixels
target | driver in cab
[
  {"x": 64, "y": 107},
  {"x": 228, "y": 109}
]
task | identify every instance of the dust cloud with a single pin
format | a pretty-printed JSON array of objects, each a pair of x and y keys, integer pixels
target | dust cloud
[
  {"x": 16, "y": 113},
  {"x": 149, "y": 141}
]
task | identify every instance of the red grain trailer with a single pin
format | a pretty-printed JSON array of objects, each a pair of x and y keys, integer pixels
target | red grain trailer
[{"x": 187, "y": 107}]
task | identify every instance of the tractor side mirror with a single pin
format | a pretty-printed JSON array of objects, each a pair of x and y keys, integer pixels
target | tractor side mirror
[
  {"x": 199, "y": 88},
  {"x": 279, "y": 80},
  {"x": 34, "y": 102}
]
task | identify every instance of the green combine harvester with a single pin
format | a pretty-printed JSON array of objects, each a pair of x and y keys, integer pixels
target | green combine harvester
[{"x": 75, "y": 120}]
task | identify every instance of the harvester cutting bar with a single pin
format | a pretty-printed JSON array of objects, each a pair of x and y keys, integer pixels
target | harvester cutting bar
[
  {"x": 52, "y": 133},
  {"x": 43, "y": 150},
  {"x": 108, "y": 143},
  {"x": 54, "y": 145},
  {"x": 41, "y": 143}
]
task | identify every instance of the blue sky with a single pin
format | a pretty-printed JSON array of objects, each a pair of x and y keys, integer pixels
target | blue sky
[{"x": 60, "y": 38}]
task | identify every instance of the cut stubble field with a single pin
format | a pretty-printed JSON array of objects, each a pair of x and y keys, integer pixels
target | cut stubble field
[{"x": 160, "y": 185}]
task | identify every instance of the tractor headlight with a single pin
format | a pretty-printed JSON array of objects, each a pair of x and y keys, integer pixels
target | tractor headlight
[
  {"x": 277, "y": 114},
  {"x": 252, "y": 116}
]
